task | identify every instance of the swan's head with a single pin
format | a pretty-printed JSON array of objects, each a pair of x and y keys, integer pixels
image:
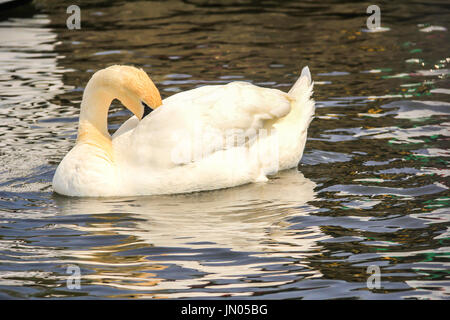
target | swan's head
[{"x": 132, "y": 86}]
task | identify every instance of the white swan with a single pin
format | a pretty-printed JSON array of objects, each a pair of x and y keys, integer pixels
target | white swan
[{"x": 207, "y": 138}]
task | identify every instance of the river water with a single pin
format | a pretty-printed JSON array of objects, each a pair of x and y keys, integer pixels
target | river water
[{"x": 371, "y": 192}]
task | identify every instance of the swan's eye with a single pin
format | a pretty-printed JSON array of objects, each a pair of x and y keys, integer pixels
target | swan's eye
[{"x": 147, "y": 109}]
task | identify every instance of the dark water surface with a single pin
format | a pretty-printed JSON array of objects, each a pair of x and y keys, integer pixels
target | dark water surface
[{"x": 373, "y": 186}]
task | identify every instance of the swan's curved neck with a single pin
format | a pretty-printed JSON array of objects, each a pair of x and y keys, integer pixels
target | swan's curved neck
[
  {"x": 93, "y": 125},
  {"x": 94, "y": 112}
]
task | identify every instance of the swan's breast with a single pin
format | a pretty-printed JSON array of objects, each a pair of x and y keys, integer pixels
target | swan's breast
[{"x": 85, "y": 171}]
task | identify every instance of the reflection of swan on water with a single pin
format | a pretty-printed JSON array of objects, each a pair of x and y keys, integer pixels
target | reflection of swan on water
[
  {"x": 253, "y": 219},
  {"x": 237, "y": 218}
]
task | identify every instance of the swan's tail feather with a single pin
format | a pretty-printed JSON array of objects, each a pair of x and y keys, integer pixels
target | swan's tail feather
[{"x": 301, "y": 91}]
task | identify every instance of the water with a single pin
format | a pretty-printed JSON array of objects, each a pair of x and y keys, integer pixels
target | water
[{"x": 371, "y": 190}]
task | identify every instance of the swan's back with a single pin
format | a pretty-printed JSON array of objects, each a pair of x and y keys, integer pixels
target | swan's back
[
  {"x": 210, "y": 137},
  {"x": 229, "y": 111}
]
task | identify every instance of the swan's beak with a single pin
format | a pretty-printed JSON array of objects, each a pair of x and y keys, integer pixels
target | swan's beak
[{"x": 147, "y": 110}]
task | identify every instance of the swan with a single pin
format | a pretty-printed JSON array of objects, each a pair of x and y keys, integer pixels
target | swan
[{"x": 208, "y": 138}]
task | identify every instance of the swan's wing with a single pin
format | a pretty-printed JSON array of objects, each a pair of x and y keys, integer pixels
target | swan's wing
[
  {"x": 205, "y": 119},
  {"x": 128, "y": 125},
  {"x": 241, "y": 105}
]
